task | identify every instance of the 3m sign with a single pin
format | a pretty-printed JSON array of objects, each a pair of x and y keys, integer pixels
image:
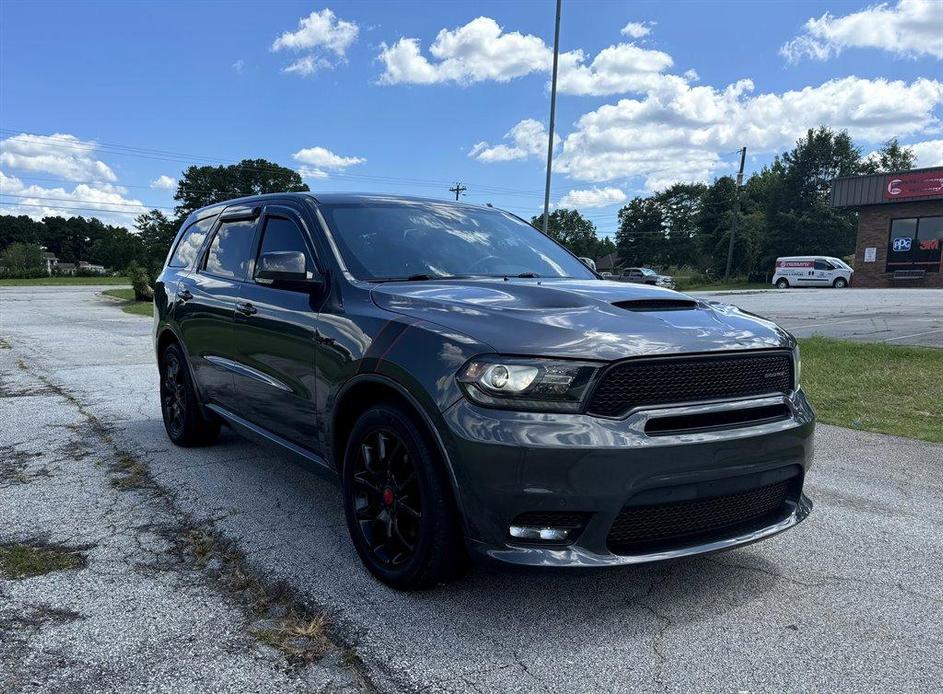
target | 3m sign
[{"x": 913, "y": 185}]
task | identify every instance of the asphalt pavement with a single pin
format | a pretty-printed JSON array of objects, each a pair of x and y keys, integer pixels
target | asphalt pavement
[
  {"x": 848, "y": 600},
  {"x": 894, "y": 316}
]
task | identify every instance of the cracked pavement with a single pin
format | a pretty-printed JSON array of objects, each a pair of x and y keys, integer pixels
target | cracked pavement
[{"x": 847, "y": 600}]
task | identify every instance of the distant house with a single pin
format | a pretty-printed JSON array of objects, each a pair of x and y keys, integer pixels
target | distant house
[
  {"x": 51, "y": 261},
  {"x": 81, "y": 266},
  {"x": 91, "y": 267},
  {"x": 66, "y": 268}
]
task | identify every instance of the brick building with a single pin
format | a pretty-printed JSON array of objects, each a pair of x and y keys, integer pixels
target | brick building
[{"x": 900, "y": 226}]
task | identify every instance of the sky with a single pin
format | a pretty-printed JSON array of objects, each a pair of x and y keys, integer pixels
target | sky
[{"x": 102, "y": 105}]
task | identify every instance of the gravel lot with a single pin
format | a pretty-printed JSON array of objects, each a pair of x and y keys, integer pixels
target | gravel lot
[
  {"x": 895, "y": 316},
  {"x": 848, "y": 600}
]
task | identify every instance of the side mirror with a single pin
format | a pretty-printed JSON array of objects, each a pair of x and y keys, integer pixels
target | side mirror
[{"x": 286, "y": 270}]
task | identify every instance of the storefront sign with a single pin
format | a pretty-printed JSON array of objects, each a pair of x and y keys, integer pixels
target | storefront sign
[
  {"x": 901, "y": 244},
  {"x": 870, "y": 255},
  {"x": 913, "y": 185}
]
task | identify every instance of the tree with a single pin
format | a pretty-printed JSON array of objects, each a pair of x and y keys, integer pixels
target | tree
[
  {"x": 205, "y": 185},
  {"x": 156, "y": 232},
  {"x": 574, "y": 231},
  {"x": 680, "y": 209},
  {"x": 22, "y": 259},
  {"x": 641, "y": 237},
  {"x": 891, "y": 157}
]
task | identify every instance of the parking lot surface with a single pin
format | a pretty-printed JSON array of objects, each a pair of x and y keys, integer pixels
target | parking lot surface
[
  {"x": 849, "y": 600},
  {"x": 894, "y": 316}
]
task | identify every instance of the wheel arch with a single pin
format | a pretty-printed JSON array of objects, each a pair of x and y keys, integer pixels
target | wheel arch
[
  {"x": 166, "y": 336},
  {"x": 356, "y": 396}
]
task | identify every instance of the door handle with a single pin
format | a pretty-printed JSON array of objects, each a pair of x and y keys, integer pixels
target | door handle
[
  {"x": 184, "y": 294},
  {"x": 245, "y": 308}
]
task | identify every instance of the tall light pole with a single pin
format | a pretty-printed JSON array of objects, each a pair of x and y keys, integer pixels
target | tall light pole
[
  {"x": 553, "y": 111},
  {"x": 736, "y": 213}
]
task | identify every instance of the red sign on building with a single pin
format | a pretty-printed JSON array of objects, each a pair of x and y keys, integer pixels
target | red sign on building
[{"x": 920, "y": 184}]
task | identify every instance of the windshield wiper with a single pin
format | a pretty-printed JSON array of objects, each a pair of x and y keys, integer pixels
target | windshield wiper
[{"x": 528, "y": 275}]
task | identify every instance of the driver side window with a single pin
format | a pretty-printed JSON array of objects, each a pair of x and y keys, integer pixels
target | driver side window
[{"x": 282, "y": 234}]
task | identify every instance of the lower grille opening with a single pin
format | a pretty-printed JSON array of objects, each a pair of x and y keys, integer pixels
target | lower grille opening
[
  {"x": 642, "y": 529},
  {"x": 727, "y": 419}
]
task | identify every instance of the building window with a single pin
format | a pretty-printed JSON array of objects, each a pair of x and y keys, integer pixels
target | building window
[{"x": 914, "y": 244}]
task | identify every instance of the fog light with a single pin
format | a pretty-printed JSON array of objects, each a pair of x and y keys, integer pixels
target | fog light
[{"x": 527, "y": 532}]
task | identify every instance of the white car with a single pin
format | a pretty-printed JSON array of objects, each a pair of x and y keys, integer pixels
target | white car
[{"x": 812, "y": 271}]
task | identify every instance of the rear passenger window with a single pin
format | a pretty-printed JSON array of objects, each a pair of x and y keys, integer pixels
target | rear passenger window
[
  {"x": 281, "y": 234},
  {"x": 190, "y": 243},
  {"x": 229, "y": 252}
]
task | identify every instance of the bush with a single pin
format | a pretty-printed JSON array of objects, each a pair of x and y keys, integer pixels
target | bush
[{"x": 141, "y": 282}]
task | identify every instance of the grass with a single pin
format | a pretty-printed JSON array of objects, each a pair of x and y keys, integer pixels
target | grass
[
  {"x": 61, "y": 281},
  {"x": 23, "y": 561},
  {"x": 129, "y": 305},
  {"x": 723, "y": 286},
  {"x": 892, "y": 389}
]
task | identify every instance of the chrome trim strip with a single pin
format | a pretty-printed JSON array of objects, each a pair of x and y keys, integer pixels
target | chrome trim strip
[{"x": 243, "y": 370}]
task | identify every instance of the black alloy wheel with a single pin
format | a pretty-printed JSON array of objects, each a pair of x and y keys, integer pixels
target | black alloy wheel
[
  {"x": 387, "y": 497},
  {"x": 185, "y": 423},
  {"x": 399, "y": 506},
  {"x": 173, "y": 396}
]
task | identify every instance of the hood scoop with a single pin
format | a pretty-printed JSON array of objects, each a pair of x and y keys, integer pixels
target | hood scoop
[{"x": 657, "y": 304}]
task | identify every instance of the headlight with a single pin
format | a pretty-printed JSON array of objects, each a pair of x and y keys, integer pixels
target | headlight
[{"x": 527, "y": 384}]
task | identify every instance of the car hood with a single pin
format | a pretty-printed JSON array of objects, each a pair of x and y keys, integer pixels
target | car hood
[{"x": 585, "y": 319}]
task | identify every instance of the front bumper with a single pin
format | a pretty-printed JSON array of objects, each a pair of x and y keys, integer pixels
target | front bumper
[{"x": 510, "y": 463}]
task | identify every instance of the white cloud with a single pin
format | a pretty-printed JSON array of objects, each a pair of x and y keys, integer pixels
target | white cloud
[
  {"x": 102, "y": 200},
  {"x": 319, "y": 30},
  {"x": 317, "y": 162},
  {"x": 911, "y": 28},
  {"x": 164, "y": 182},
  {"x": 318, "y": 33},
  {"x": 308, "y": 65},
  {"x": 676, "y": 131},
  {"x": 528, "y": 138},
  {"x": 481, "y": 50},
  {"x": 477, "y": 51},
  {"x": 637, "y": 30},
  {"x": 594, "y": 197},
  {"x": 929, "y": 153},
  {"x": 62, "y": 155},
  {"x": 239, "y": 66}
]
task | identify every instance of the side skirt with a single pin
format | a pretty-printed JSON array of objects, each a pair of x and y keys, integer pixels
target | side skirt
[{"x": 251, "y": 431}]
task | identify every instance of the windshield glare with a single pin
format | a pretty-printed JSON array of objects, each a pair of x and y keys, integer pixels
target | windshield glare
[{"x": 401, "y": 239}]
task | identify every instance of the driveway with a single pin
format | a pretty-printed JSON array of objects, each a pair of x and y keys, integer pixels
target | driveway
[
  {"x": 894, "y": 316},
  {"x": 850, "y": 599}
]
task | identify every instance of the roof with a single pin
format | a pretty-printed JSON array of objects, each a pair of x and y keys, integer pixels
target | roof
[
  {"x": 335, "y": 199},
  {"x": 888, "y": 188}
]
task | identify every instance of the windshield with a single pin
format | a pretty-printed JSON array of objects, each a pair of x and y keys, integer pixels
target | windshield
[
  {"x": 399, "y": 239},
  {"x": 648, "y": 272}
]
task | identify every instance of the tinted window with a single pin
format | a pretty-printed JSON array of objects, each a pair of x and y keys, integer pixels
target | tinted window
[
  {"x": 229, "y": 251},
  {"x": 823, "y": 265},
  {"x": 190, "y": 243},
  {"x": 929, "y": 243},
  {"x": 284, "y": 235},
  {"x": 901, "y": 243},
  {"x": 396, "y": 239}
]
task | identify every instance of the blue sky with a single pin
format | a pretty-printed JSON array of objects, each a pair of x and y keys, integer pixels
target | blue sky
[{"x": 98, "y": 101}]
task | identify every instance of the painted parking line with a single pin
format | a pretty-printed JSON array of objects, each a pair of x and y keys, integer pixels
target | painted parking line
[{"x": 905, "y": 337}]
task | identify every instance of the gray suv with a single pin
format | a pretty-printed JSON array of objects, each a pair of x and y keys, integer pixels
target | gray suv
[{"x": 475, "y": 389}]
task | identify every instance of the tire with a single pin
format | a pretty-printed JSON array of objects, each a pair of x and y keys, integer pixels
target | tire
[
  {"x": 782, "y": 283},
  {"x": 392, "y": 472},
  {"x": 180, "y": 408},
  {"x": 840, "y": 283}
]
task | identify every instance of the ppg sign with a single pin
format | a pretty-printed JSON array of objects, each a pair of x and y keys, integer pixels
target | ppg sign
[{"x": 902, "y": 244}]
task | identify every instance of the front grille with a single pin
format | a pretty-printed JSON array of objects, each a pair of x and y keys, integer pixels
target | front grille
[
  {"x": 643, "y": 528},
  {"x": 672, "y": 380}
]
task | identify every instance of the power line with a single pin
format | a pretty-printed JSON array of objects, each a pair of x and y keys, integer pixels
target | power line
[{"x": 458, "y": 189}]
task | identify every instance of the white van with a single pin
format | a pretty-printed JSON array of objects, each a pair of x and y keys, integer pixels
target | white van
[{"x": 812, "y": 271}]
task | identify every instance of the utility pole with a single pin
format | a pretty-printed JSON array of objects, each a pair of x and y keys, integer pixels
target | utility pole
[
  {"x": 553, "y": 111},
  {"x": 736, "y": 212},
  {"x": 458, "y": 189}
]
